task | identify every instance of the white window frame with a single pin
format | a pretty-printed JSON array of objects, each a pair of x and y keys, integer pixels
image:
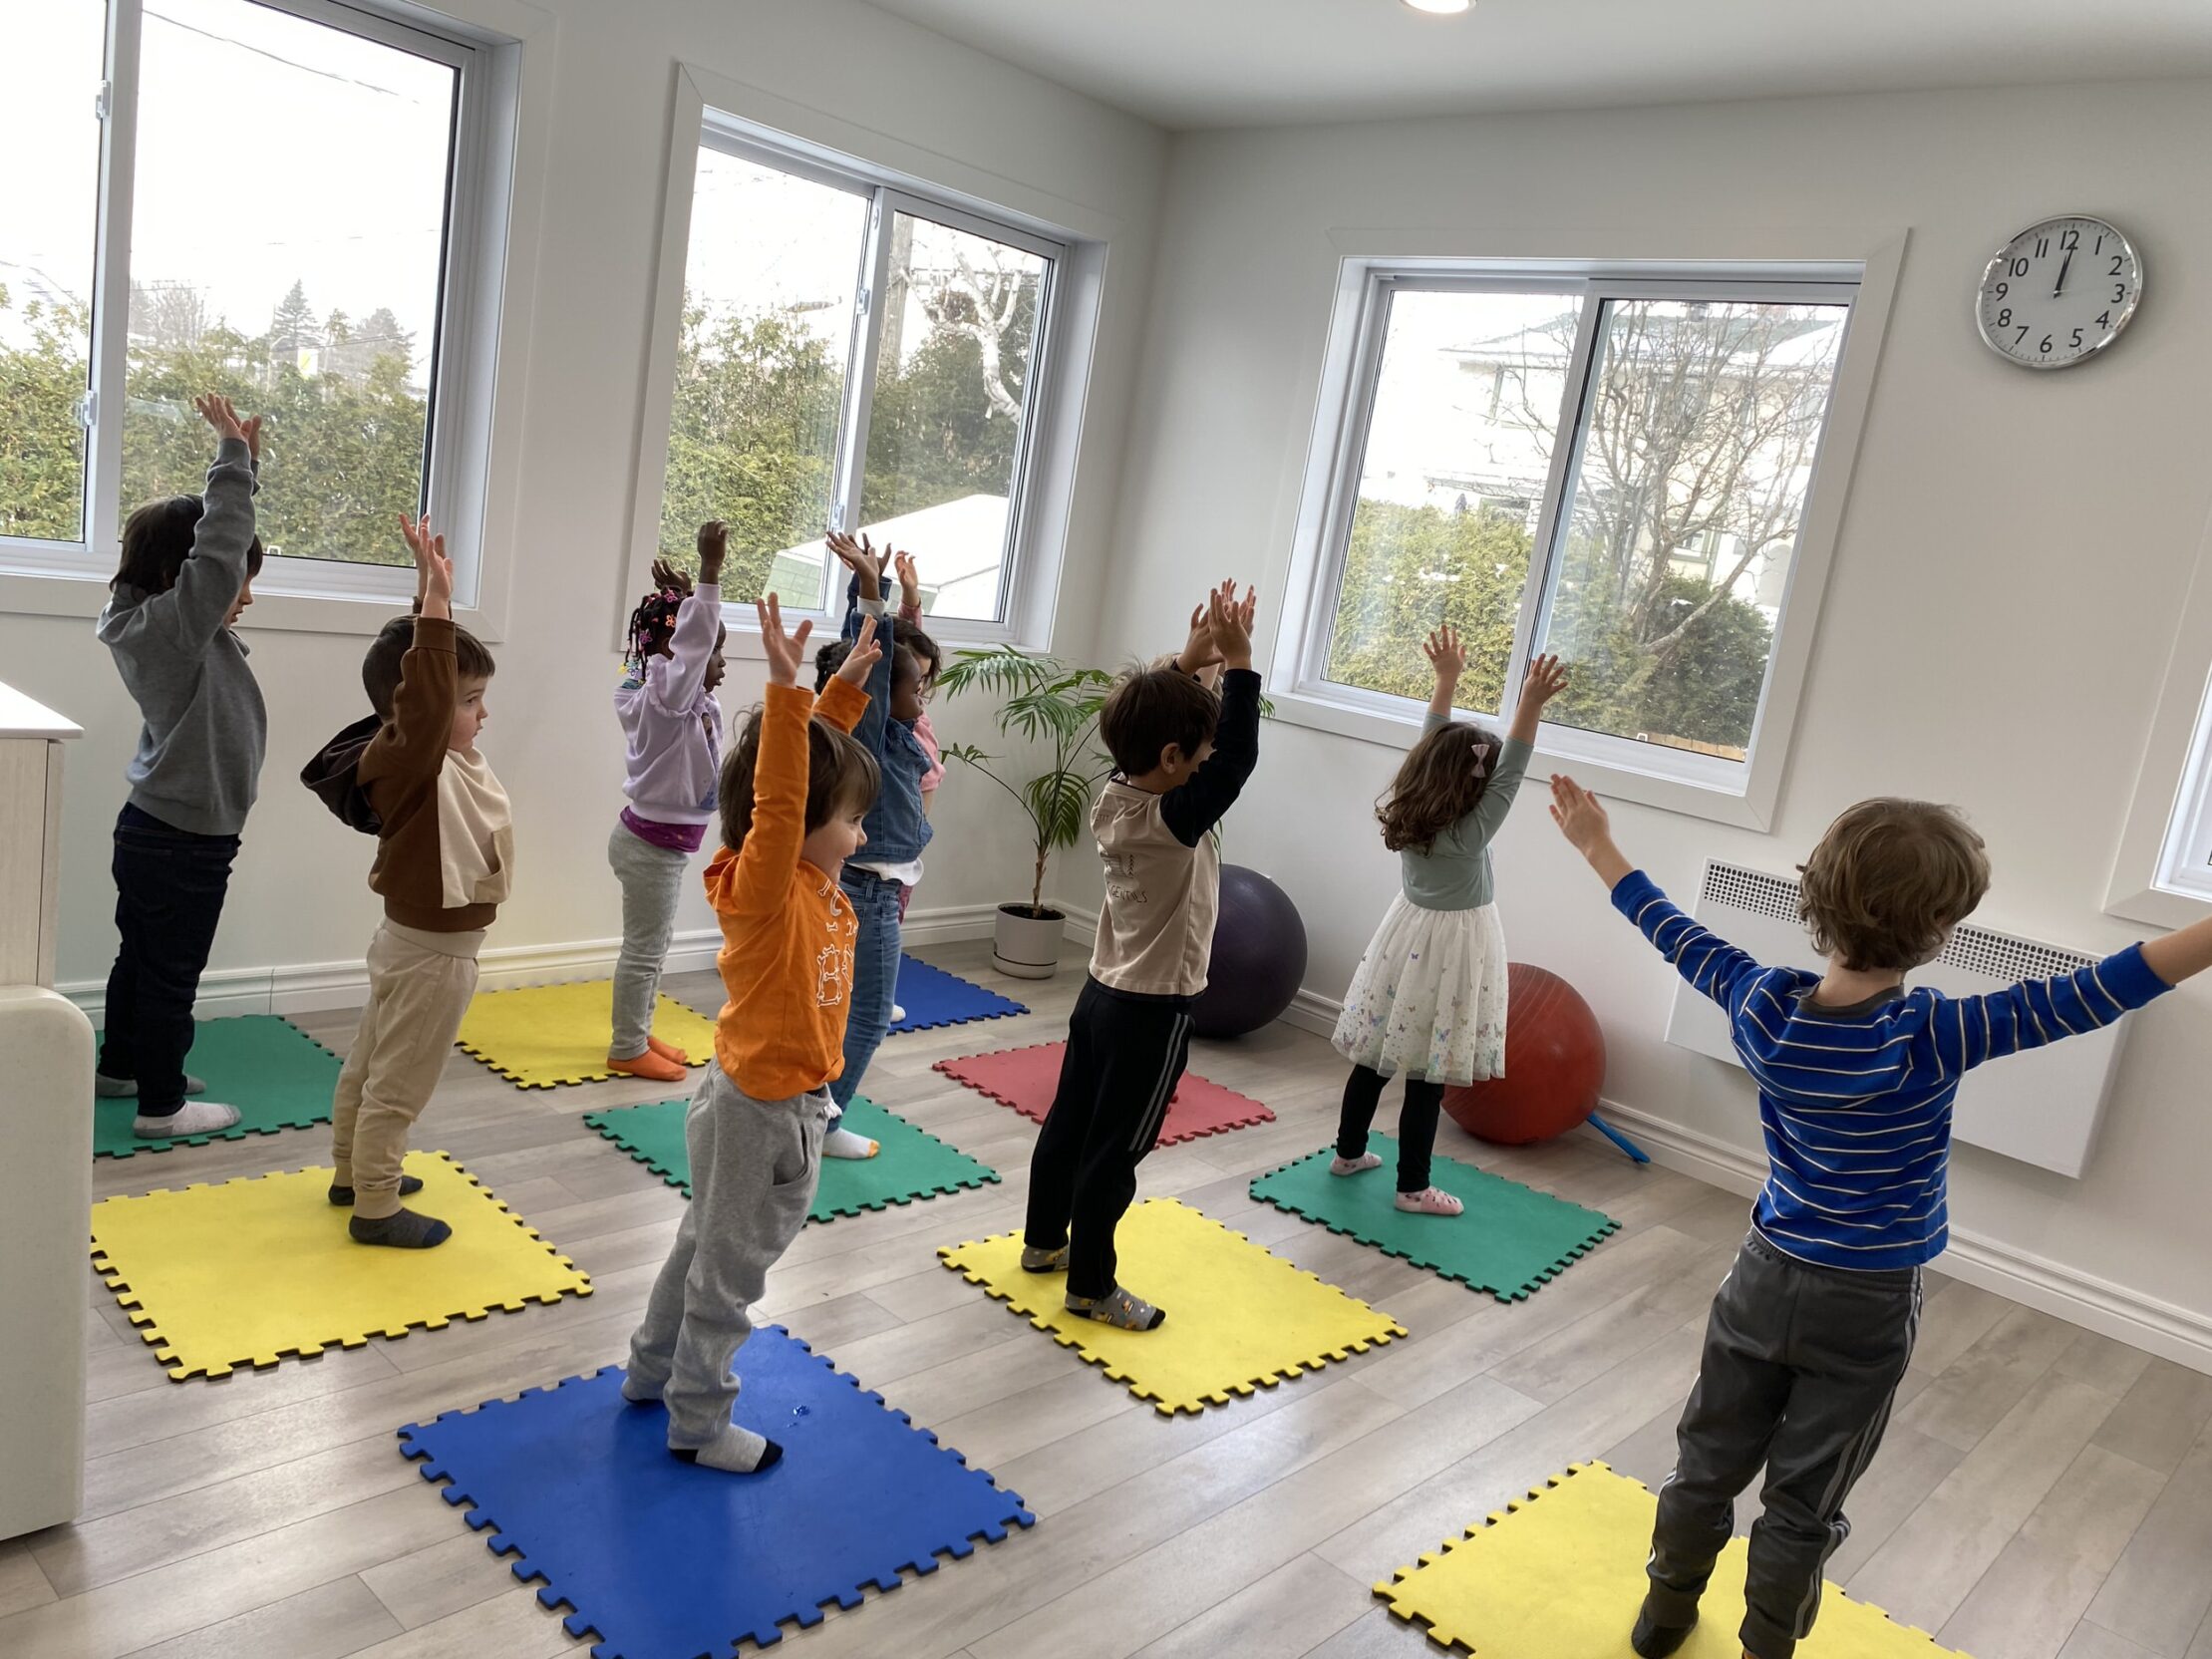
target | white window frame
[
  {"x": 2159, "y": 875},
  {"x": 1702, "y": 785},
  {"x": 711, "y": 110},
  {"x": 469, "y": 483}
]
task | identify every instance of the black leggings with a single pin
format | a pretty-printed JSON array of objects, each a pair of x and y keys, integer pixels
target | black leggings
[{"x": 1417, "y": 1123}]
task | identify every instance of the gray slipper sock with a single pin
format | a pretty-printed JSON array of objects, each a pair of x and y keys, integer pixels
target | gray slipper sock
[
  {"x": 735, "y": 1450},
  {"x": 404, "y": 1230},
  {"x": 409, "y": 1186},
  {"x": 640, "y": 1394}
]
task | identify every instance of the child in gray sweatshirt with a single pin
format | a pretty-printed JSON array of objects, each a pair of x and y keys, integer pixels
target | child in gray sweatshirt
[{"x": 186, "y": 572}]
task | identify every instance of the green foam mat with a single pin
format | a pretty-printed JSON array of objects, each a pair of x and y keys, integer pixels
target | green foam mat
[
  {"x": 1511, "y": 1239},
  {"x": 912, "y": 1164},
  {"x": 277, "y": 1074}
]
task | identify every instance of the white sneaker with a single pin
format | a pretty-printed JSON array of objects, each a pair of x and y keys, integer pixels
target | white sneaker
[
  {"x": 897, "y": 1013},
  {"x": 192, "y": 1117}
]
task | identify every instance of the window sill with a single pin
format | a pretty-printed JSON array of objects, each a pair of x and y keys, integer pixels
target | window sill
[
  {"x": 1613, "y": 767},
  {"x": 2156, "y": 906},
  {"x": 279, "y": 605}
]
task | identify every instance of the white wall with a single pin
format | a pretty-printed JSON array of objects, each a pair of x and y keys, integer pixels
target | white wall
[
  {"x": 300, "y": 893},
  {"x": 2013, "y": 550}
]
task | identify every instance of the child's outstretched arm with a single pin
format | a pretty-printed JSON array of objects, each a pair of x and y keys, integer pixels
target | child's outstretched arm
[
  {"x": 675, "y": 681},
  {"x": 1544, "y": 681},
  {"x": 1969, "y": 1030},
  {"x": 1708, "y": 963},
  {"x": 842, "y": 702},
  {"x": 411, "y": 745},
  {"x": 207, "y": 582},
  {"x": 778, "y": 830},
  {"x": 866, "y": 564},
  {"x": 1193, "y": 808},
  {"x": 1448, "y": 659}
]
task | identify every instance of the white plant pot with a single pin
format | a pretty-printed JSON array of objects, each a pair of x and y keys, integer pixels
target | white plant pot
[{"x": 1027, "y": 946}]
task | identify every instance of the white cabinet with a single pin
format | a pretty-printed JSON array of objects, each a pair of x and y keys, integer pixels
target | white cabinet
[{"x": 46, "y": 1059}]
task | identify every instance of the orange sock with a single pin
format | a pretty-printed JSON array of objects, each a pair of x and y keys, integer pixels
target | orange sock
[
  {"x": 648, "y": 1065},
  {"x": 667, "y": 1051}
]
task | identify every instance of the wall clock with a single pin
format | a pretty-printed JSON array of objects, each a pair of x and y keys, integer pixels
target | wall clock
[{"x": 2060, "y": 292}]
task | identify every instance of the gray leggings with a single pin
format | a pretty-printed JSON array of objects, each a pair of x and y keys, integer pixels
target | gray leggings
[{"x": 652, "y": 880}]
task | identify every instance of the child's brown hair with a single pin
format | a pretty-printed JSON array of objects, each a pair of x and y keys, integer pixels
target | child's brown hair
[
  {"x": 157, "y": 540},
  {"x": 1437, "y": 784},
  {"x": 1889, "y": 881},
  {"x": 1151, "y": 707},
  {"x": 841, "y": 773},
  {"x": 381, "y": 664}
]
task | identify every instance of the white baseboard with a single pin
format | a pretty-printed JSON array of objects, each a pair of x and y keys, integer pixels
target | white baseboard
[
  {"x": 311, "y": 987},
  {"x": 2113, "y": 1310}
]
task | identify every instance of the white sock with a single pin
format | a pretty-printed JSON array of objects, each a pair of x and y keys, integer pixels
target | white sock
[
  {"x": 843, "y": 1143},
  {"x": 639, "y": 1394},
  {"x": 897, "y": 1013},
  {"x": 735, "y": 1450},
  {"x": 1354, "y": 1165},
  {"x": 192, "y": 1117}
]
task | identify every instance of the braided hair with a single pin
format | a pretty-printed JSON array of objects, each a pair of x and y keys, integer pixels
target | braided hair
[{"x": 652, "y": 626}]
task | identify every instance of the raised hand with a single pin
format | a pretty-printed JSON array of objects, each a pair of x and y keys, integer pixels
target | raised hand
[
  {"x": 1229, "y": 620},
  {"x": 434, "y": 572},
  {"x": 668, "y": 579},
  {"x": 784, "y": 651},
  {"x": 863, "y": 656},
  {"x": 909, "y": 582},
  {"x": 862, "y": 559},
  {"x": 218, "y": 413},
  {"x": 1445, "y": 653},
  {"x": 1546, "y": 679},
  {"x": 714, "y": 548},
  {"x": 1198, "y": 652},
  {"x": 250, "y": 429},
  {"x": 1580, "y": 816}
]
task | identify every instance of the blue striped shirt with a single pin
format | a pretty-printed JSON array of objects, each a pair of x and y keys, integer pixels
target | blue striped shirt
[{"x": 1855, "y": 1102}]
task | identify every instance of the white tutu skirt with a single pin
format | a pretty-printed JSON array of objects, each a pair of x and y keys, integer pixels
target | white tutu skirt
[{"x": 1429, "y": 999}]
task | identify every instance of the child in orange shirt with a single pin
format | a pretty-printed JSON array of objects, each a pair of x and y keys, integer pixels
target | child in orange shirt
[{"x": 793, "y": 794}]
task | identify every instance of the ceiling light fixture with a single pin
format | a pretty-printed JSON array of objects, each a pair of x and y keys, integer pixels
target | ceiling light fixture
[{"x": 1442, "y": 8}]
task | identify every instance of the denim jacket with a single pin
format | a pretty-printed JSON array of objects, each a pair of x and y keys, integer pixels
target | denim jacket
[{"x": 896, "y": 828}]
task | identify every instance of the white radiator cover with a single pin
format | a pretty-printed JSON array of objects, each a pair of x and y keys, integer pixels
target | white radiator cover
[{"x": 2042, "y": 1106}]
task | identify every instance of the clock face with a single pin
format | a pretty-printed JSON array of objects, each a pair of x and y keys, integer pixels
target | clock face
[{"x": 2059, "y": 293}]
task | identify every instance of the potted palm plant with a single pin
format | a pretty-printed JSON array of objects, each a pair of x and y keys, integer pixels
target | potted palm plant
[{"x": 1046, "y": 702}]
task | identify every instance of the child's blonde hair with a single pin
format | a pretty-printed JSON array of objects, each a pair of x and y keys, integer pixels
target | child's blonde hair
[{"x": 1889, "y": 881}]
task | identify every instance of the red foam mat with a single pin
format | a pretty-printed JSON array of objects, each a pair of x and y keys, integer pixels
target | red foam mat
[{"x": 1025, "y": 1080}]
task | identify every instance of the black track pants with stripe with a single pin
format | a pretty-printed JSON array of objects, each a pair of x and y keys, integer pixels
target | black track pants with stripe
[
  {"x": 1799, "y": 1366},
  {"x": 1125, "y": 1054}
]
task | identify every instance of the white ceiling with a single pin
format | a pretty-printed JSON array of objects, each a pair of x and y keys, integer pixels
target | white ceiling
[{"x": 1233, "y": 63}]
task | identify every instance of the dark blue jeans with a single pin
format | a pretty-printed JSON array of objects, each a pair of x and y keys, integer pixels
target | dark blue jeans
[
  {"x": 169, "y": 887},
  {"x": 874, "y": 976}
]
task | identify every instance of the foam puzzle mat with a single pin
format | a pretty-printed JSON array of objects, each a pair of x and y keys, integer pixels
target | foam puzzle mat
[
  {"x": 1510, "y": 1241},
  {"x": 260, "y": 1269},
  {"x": 1027, "y": 1079},
  {"x": 1238, "y": 1318},
  {"x": 1559, "y": 1574},
  {"x": 913, "y": 1163},
  {"x": 668, "y": 1560},
  {"x": 545, "y": 1035},
  {"x": 932, "y": 997},
  {"x": 277, "y": 1074}
]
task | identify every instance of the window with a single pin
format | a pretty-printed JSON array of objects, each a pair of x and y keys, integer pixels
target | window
[
  {"x": 1613, "y": 469},
  {"x": 851, "y": 356},
  {"x": 293, "y": 246}
]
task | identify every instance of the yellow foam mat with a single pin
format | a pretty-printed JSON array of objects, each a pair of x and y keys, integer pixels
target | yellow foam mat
[
  {"x": 543, "y": 1035},
  {"x": 1237, "y": 1318},
  {"x": 1560, "y": 1575},
  {"x": 257, "y": 1269}
]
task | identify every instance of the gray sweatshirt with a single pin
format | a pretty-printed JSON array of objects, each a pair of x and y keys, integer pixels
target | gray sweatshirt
[{"x": 207, "y": 728}]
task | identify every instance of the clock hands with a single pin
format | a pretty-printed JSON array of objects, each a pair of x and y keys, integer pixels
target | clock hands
[{"x": 2062, "y": 264}]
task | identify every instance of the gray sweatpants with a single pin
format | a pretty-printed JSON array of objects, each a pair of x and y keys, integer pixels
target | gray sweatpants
[
  {"x": 1801, "y": 1364},
  {"x": 754, "y": 1166},
  {"x": 652, "y": 880}
]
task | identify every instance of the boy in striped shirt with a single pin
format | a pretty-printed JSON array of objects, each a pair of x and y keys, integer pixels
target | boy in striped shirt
[{"x": 1811, "y": 1330}]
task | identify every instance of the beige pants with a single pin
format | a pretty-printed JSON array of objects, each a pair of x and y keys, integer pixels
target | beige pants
[{"x": 419, "y": 988}]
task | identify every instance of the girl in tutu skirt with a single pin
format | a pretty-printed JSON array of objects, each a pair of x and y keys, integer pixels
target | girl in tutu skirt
[{"x": 1428, "y": 998}]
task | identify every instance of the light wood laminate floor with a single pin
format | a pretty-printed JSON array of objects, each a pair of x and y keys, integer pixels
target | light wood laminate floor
[{"x": 2044, "y": 1491}]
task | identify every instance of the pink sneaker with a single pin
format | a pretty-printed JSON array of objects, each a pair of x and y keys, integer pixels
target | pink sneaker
[{"x": 1430, "y": 1200}]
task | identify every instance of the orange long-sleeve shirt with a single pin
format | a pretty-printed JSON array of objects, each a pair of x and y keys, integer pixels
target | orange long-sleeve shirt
[{"x": 786, "y": 928}]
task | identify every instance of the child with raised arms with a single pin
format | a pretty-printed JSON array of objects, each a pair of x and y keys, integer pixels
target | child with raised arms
[
  {"x": 672, "y": 725},
  {"x": 185, "y": 578},
  {"x": 1428, "y": 998},
  {"x": 796, "y": 791},
  {"x": 1812, "y": 1329}
]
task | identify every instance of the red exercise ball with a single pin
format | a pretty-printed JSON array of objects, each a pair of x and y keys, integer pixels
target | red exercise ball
[{"x": 1554, "y": 1065}]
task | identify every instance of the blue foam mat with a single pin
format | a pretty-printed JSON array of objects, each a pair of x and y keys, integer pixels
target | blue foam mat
[
  {"x": 933, "y": 997},
  {"x": 668, "y": 1560}
]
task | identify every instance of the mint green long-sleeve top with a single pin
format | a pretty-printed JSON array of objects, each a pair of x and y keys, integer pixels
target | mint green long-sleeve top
[{"x": 1454, "y": 874}]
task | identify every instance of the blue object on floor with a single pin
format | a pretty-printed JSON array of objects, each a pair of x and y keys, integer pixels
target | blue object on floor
[
  {"x": 933, "y": 997},
  {"x": 1617, "y": 1139},
  {"x": 664, "y": 1560}
]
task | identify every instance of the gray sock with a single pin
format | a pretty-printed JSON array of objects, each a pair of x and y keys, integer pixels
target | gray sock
[
  {"x": 408, "y": 1186},
  {"x": 735, "y": 1450},
  {"x": 640, "y": 1394},
  {"x": 404, "y": 1230}
]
